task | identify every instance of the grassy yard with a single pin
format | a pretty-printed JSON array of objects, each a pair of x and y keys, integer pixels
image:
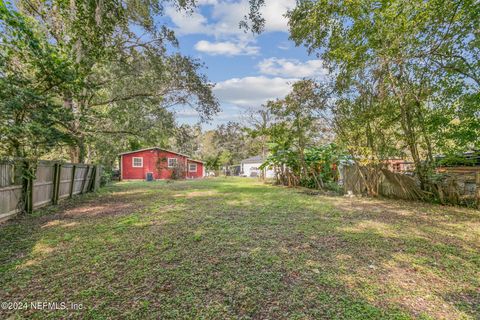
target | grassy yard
[{"x": 238, "y": 249}]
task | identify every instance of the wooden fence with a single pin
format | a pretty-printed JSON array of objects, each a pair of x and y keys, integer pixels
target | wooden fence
[
  {"x": 455, "y": 185},
  {"x": 52, "y": 181}
]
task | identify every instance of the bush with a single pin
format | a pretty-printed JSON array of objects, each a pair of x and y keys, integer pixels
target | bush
[
  {"x": 106, "y": 177},
  {"x": 334, "y": 186},
  {"x": 179, "y": 172}
]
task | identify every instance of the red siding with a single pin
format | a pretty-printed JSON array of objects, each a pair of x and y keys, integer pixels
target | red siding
[
  {"x": 165, "y": 172},
  {"x": 196, "y": 174},
  {"x": 155, "y": 161}
]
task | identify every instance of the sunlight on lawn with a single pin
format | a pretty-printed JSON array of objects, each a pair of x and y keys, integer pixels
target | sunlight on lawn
[{"x": 230, "y": 248}]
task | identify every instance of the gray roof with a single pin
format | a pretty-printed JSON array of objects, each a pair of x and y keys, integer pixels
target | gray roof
[{"x": 255, "y": 159}]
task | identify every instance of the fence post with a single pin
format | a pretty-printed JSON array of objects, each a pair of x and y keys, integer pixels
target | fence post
[
  {"x": 59, "y": 180},
  {"x": 54, "y": 187},
  {"x": 477, "y": 182},
  {"x": 27, "y": 181},
  {"x": 72, "y": 184},
  {"x": 30, "y": 194},
  {"x": 55, "y": 183},
  {"x": 96, "y": 184},
  {"x": 92, "y": 180},
  {"x": 85, "y": 179}
]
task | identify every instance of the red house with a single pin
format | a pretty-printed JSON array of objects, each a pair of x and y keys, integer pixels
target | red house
[{"x": 158, "y": 163}]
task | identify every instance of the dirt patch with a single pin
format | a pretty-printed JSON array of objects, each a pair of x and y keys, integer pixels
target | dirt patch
[
  {"x": 195, "y": 194},
  {"x": 98, "y": 210}
]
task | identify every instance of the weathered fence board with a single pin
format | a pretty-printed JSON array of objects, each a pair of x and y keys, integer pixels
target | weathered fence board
[
  {"x": 10, "y": 199},
  {"x": 43, "y": 185},
  {"x": 53, "y": 181},
  {"x": 7, "y": 173},
  {"x": 65, "y": 181},
  {"x": 455, "y": 186}
]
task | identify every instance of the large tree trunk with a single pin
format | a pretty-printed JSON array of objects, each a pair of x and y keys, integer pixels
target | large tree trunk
[
  {"x": 421, "y": 168},
  {"x": 263, "y": 173},
  {"x": 408, "y": 106},
  {"x": 74, "y": 154},
  {"x": 77, "y": 151}
]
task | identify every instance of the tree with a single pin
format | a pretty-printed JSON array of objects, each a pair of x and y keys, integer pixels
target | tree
[
  {"x": 418, "y": 58},
  {"x": 298, "y": 125},
  {"x": 231, "y": 143},
  {"x": 119, "y": 59},
  {"x": 257, "y": 128},
  {"x": 32, "y": 72},
  {"x": 301, "y": 114},
  {"x": 187, "y": 140}
]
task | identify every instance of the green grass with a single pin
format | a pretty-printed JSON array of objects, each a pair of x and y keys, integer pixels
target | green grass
[{"x": 239, "y": 249}]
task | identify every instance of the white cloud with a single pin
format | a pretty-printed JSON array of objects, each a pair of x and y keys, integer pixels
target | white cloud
[
  {"x": 291, "y": 68},
  {"x": 252, "y": 91},
  {"x": 229, "y": 14},
  {"x": 226, "y": 16},
  {"x": 274, "y": 11},
  {"x": 223, "y": 24},
  {"x": 227, "y": 48},
  {"x": 228, "y": 113},
  {"x": 188, "y": 23},
  {"x": 237, "y": 95},
  {"x": 183, "y": 112},
  {"x": 284, "y": 46},
  {"x": 206, "y": 2}
]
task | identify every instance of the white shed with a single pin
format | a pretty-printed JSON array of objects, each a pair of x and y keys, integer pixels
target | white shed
[{"x": 250, "y": 167}]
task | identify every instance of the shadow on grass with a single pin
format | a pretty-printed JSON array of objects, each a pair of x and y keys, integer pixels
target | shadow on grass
[
  {"x": 425, "y": 249},
  {"x": 234, "y": 248},
  {"x": 19, "y": 236}
]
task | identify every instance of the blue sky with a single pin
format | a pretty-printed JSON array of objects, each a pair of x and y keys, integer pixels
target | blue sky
[{"x": 247, "y": 70}]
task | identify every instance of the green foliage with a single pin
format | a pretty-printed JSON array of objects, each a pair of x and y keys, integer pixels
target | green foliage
[
  {"x": 325, "y": 160},
  {"x": 187, "y": 140},
  {"x": 212, "y": 163},
  {"x": 32, "y": 71},
  {"x": 228, "y": 144},
  {"x": 225, "y": 157},
  {"x": 321, "y": 163},
  {"x": 93, "y": 78},
  {"x": 405, "y": 75},
  {"x": 258, "y": 130},
  {"x": 106, "y": 176},
  {"x": 299, "y": 125},
  {"x": 471, "y": 159}
]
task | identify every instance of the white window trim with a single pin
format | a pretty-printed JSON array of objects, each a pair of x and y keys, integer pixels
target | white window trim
[
  {"x": 133, "y": 162},
  {"x": 194, "y": 164},
  {"x": 168, "y": 162}
]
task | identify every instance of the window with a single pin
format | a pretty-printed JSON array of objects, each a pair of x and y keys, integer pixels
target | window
[
  {"x": 137, "y": 162},
  {"x": 192, "y": 167},
  {"x": 172, "y": 162}
]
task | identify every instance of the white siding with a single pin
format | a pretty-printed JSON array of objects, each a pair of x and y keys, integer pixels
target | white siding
[{"x": 251, "y": 170}]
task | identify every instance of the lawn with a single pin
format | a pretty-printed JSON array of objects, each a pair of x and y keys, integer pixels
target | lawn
[{"x": 235, "y": 248}]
